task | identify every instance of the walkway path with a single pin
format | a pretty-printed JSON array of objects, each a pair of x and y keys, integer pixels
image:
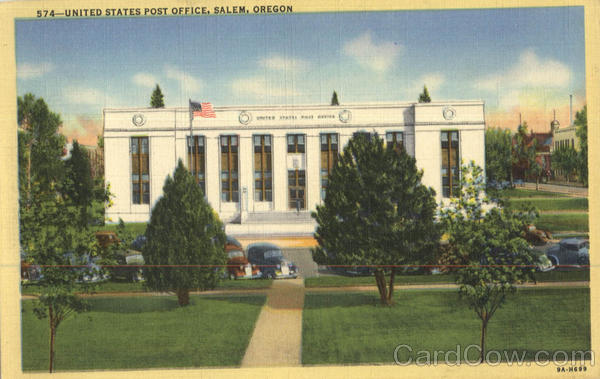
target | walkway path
[
  {"x": 277, "y": 337},
  {"x": 568, "y": 190}
]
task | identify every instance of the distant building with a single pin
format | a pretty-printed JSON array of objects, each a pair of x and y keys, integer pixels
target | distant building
[
  {"x": 543, "y": 143},
  {"x": 263, "y": 169}
]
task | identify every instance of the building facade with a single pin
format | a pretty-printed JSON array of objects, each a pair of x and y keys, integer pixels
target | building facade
[{"x": 264, "y": 168}]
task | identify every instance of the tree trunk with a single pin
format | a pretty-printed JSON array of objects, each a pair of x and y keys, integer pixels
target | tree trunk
[
  {"x": 52, "y": 335},
  {"x": 183, "y": 296},
  {"x": 537, "y": 183},
  {"x": 380, "y": 279},
  {"x": 391, "y": 291},
  {"x": 482, "y": 344}
]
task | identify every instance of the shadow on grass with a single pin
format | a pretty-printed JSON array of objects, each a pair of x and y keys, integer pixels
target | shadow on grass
[
  {"x": 357, "y": 299},
  {"x": 134, "y": 304}
]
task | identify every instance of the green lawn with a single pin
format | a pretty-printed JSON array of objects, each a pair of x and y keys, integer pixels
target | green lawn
[
  {"x": 553, "y": 204},
  {"x": 109, "y": 286},
  {"x": 135, "y": 228},
  {"x": 144, "y": 332},
  {"x": 577, "y": 222},
  {"x": 350, "y": 328},
  {"x": 522, "y": 193},
  {"x": 345, "y": 281}
]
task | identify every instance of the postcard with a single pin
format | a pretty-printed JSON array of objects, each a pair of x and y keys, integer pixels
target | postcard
[{"x": 336, "y": 189}]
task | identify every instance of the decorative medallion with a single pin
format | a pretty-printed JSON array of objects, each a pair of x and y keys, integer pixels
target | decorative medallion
[
  {"x": 345, "y": 116},
  {"x": 245, "y": 117},
  {"x": 138, "y": 119},
  {"x": 449, "y": 113}
]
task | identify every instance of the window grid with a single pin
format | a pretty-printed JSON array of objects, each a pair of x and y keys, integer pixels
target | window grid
[
  {"x": 229, "y": 169},
  {"x": 263, "y": 170},
  {"x": 329, "y": 154},
  {"x": 297, "y": 188},
  {"x": 296, "y": 143},
  {"x": 140, "y": 178},
  {"x": 395, "y": 140},
  {"x": 197, "y": 160},
  {"x": 450, "y": 164}
]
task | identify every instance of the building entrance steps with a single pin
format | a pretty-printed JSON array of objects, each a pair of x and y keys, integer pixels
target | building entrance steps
[{"x": 277, "y": 337}]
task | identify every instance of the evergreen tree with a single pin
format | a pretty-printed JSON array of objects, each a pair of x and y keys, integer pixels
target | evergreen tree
[
  {"x": 79, "y": 185},
  {"x": 424, "y": 97},
  {"x": 183, "y": 232},
  {"x": 581, "y": 123},
  {"x": 157, "y": 99},
  {"x": 334, "y": 99},
  {"x": 376, "y": 212}
]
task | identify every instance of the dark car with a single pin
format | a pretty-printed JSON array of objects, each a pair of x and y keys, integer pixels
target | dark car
[
  {"x": 573, "y": 252},
  {"x": 269, "y": 258},
  {"x": 238, "y": 266}
]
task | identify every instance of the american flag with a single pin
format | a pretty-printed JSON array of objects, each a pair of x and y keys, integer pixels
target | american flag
[{"x": 202, "y": 109}]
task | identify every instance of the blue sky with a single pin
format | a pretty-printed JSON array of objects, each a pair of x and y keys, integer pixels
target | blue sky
[{"x": 523, "y": 60}]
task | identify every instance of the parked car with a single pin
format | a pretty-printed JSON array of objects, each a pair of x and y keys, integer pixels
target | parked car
[
  {"x": 238, "y": 266},
  {"x": 89, "y": 269},
  {"x": 269, "y": 258},
  {"x": 572, "y": 252},
  {"x": 544, "y": 263}
]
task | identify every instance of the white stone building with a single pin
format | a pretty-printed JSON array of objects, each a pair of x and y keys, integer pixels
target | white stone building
[{"x": 264, "y": 168}]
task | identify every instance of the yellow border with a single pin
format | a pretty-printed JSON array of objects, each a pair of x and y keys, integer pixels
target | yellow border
[{"x": 10, "y": 347}]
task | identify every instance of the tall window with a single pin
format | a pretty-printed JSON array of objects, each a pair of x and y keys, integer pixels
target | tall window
[
  {"x": 394, "y": 140},
  {"x": 229, "y": 169},
  {"x": 196, "y": 159},
  {"x": 140, "y": 178},
  {"x": 329, "y": 153},
  {"x": 297, "y": 187},
  {"x": 450, "y": 164},
  {"x": 263, "y": 171},
  {"x": 296, "y": 143}
]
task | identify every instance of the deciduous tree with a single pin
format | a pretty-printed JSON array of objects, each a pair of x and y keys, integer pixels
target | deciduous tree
[
  {"x": 498, "y": 154},
  {"x": 376, "y": 212},
  {"x": 185, "y": 240},
  {"x": 581, "y": 124},
  {"x": 487, "y": 244}
]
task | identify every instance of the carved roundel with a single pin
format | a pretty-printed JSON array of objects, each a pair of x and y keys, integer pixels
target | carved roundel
[
  {"x": 345, "y": 116},
  {"x": 138, "y": 119},
  {"x": 245, "y": 117},
  {"x": 449, "y": 113}
]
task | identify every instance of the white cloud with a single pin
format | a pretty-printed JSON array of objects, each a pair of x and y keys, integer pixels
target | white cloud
[
  {"x": 378, "y": 57},
  {"x": 144, "y": 79},
  {"x": 186, "y": 81},
  {"x": 279, "y": 63},
  {"x": 87, "y": 96},
  {"x": 260, "y": 87},
  {"x": 529, "y": 71},
  {"x": 433, "y": 81},
  {"x": 33, "y": 70}
]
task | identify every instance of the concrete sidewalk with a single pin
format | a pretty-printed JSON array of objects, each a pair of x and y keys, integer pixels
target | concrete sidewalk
[
  {"x": 567, "y": 190},
  {"x": 277, "y": 337}
]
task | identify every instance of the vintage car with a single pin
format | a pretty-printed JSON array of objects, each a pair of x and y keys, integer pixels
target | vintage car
[
  {"x": 570, "y": 253},
  {"x": 238, "y": 266},
  {"x": 270, "y": 259}
]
